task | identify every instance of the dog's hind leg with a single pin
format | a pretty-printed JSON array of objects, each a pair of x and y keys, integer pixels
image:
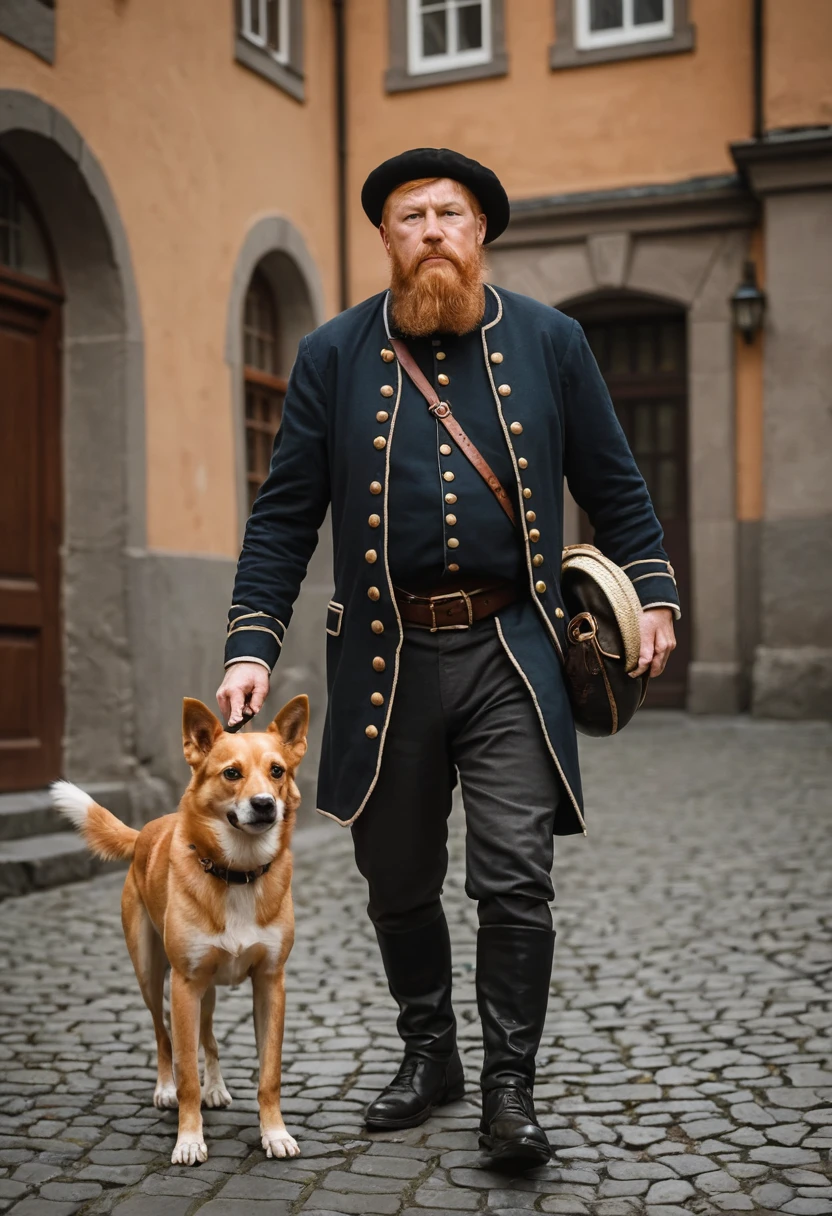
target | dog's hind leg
[
  {"x": 214, "y": 1092},
  {"x": 150, "y": 963}
]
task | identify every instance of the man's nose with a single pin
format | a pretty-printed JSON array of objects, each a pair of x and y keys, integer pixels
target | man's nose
[{"x": 263, "y": 805}]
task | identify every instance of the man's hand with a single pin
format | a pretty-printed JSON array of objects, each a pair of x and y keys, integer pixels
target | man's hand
[
  {"x": 244, "y": 683},
  {"x": 658, "y": 641}
]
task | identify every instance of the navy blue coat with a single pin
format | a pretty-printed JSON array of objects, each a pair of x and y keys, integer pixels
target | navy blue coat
[{"x": 556, "y": 416}]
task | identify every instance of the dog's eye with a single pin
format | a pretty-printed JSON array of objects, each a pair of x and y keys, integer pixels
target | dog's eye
[
  {"x": 277, "y": 771},
  {"x": 232, "y": 774}
]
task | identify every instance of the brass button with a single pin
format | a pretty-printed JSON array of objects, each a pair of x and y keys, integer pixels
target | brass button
[
  {"x": 379, "y": 663},
  {"x": 443, "y": 379},
  {"x": 540, "y": 587},
  {"x": 453, "y": 567},
  {"x": 375, "y": 487},
  {"x": 524, "y": 464},
  {"x": 531, "y": 517},
  {"x": 386, "y": 390},
  {"x": 440, "y": 354},
  {"x": 377, "y": 698},
  {"x": 559, "y": 613},
  {"x": 371, "y": 732},
  {"x": 450, "y": 520},
  {"x": 445, "y": 449},
  {"x": 382, "y": 416},
  {"x": 448, "y": 476},
  {"x": 377, "y": 626},
  {"x": 374, "y": 593},
  {"x": 496, "y": 357},
  {"x": 534, "y": 534},
  {"x": 371, "y": 556},
  {"x": 374, "y": 521},
  {"x": 527, "y": 493},
  {"x": 387, "y": 355},
  {"x": 453, "y": 543},
  {"x": 516, "y": 428},
  {"x": 504, "y": 390},
  {"x": 379, "y": 443},
  {"x": 451, "y": 498},
  {"x": 537, "y": 560}
]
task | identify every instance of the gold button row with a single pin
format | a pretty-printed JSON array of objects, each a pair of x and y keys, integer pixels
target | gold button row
[{"x": 387, "y": 355}]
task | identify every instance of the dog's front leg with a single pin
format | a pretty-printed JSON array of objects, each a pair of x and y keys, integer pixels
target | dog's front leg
[
  {"x": 269, "y": 1010},
  {"x": 185, "y": 1002}
]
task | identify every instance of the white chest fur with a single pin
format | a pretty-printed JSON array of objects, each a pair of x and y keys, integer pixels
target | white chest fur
[{"x": 242, "y": 939}]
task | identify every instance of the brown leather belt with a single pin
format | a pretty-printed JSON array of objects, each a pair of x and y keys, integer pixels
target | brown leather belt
[{"x": 455, "y": 609}]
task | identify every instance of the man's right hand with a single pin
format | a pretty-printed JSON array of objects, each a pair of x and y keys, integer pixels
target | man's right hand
[{"x": 244, "y": 683}]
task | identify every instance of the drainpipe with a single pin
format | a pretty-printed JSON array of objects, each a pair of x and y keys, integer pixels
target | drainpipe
[
  {"x": 341, "y": 150},
  {"x": 757, "y": 52}
]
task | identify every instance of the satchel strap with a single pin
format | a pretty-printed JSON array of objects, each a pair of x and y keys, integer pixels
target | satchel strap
[{"x": 441, "y": 410}]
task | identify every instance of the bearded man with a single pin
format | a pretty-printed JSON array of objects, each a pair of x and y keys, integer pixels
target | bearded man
[{"x": 447, "y": 622}]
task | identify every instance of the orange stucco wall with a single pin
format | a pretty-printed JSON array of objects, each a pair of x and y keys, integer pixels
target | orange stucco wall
[
  {"x": 657, "y": 119},
  {"x": 195, "y": 148},
  {"x": 798, "y": 63}
]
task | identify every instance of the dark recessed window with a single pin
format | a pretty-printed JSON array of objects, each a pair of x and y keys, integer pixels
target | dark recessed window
[
  {"x": 264, "y": 388},
  {"x": 444, "y": 41},
  {"x": 601, "y": 31},
  {"x": 22, "y": 247},
  {"x": 269, "y": 40}
]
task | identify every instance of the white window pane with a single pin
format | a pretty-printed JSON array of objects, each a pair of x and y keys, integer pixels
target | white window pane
[
  {"x": 469, "y": 27},
  {"x": 646, "y": 12},
  {"x": 605, "y": 15},
  {"x": 434, "y": 33}
]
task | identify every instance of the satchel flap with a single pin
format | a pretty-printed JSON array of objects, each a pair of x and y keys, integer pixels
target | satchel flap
[{"x": 601, "y": 587}]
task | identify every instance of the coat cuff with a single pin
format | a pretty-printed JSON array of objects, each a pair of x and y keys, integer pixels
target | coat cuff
[
  {"x": 253, "y": 636},
  {"x": 655, "y": 583}
]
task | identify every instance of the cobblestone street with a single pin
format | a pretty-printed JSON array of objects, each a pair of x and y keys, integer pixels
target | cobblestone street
[{"x": 686, "y": 1065}]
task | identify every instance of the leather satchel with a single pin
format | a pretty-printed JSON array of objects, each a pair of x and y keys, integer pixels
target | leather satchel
[{"x": 603, "y": 631}]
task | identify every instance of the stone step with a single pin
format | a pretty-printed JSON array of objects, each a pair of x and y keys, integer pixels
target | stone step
[
  {"x": 46, "y": 861},
  {"x": 30, "y": 812}
]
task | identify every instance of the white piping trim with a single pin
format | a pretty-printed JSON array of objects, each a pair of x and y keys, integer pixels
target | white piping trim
[
  {"x": 653, "y": 574},
  {"x": 248, "y": 658},
  {"x": 525, "y": 680},
  {"x": 677, "y": 611},
  {"x": 520, "y": 499},
  {"x": 642, "y": 561}
]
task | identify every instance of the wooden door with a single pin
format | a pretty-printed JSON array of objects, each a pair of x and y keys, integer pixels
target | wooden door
[
  {"x": 31, "y": 711},
  {"x": 643, "y": 359}
]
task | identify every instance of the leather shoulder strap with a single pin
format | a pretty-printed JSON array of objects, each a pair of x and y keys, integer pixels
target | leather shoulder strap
[{"x": 441, "y": 410}]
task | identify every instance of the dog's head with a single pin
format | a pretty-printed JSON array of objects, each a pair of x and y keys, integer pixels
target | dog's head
[{"x": 245, "y": 780}]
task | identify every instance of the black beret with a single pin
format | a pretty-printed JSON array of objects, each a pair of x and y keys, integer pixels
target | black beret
[{"x": 438, "y": 162}]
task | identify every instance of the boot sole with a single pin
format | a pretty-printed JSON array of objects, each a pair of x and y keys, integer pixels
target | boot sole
[
  {"x": 392, "y": 1125},
  {"x": 526, "y": 1152}
]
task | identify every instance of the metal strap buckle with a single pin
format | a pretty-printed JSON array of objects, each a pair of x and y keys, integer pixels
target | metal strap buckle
[{"x": 433, "y": 600}]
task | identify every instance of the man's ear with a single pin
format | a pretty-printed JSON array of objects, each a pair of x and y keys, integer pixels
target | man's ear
[
  {"x": 291, "y": 726},
  {"x": 200, "y": 730}
]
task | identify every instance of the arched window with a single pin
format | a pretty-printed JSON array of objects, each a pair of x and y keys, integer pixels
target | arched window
[
  {"x": 264, "y": 388},
  {"x": 22, "y": 247}
]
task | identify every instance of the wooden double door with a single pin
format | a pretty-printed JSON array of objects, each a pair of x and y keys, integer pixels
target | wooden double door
[{"x": 642, "y": 355}]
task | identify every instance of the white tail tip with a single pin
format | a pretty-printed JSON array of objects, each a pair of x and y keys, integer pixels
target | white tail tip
[{"x": 71, "y": 801}]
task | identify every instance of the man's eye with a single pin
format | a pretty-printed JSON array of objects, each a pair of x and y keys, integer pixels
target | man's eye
[
  {"x": 232, "y": 774},
  {"x": 277, "y": 770}
]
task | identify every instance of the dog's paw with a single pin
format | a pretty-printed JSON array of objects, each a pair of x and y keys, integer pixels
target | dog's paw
[
  {"x": 164, "y": 1095},
  {"x": 189, "y": 1151},
  {"x": 279, "y": 1143},
  {"x": 215, "y": 1095}
]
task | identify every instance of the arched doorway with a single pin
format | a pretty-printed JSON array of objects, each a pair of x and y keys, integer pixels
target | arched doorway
[
  {"x": 31, "y": 508},
  {"x": 640, "y": 343}
]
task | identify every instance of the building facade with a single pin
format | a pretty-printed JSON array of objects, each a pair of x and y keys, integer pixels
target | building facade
[{"x": 179, "y": 203}]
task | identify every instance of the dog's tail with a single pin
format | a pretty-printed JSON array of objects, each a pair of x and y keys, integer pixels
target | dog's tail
[{"x": 105, "y": 835}]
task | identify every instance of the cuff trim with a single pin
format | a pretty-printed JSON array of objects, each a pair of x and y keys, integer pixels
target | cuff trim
[
  {"x": 653, "y": 574},
  {"x": 677, "y": 611},
  {"x": 248, "y": 658}
]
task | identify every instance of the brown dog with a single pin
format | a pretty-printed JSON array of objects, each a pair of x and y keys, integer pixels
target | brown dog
[{"x": 208, "y": 893}]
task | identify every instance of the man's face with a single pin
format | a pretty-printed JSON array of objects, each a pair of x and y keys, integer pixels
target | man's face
[{"x": 433, "y": 229}]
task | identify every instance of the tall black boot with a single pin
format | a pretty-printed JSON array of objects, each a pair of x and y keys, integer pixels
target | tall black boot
[
  {"x": 418, "y": 967},
  {"x": 514, "y": 967}
]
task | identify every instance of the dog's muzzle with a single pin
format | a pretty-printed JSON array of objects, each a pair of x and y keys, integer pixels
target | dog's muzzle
[{"x": 256, "y": 815}]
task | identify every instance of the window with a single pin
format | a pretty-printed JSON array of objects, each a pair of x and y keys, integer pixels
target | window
[
  {"x": 598, "y": 31},
  {"x": 447, "y": 34},
  {"x": 269, "y": 41},
  {"x": 264, "y": 388},
  {"x": 22, "y": 247},
  {"x": 439, "y": 42}
]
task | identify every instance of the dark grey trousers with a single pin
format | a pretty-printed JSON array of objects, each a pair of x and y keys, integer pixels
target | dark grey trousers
[{"x": 460, "y": 706}]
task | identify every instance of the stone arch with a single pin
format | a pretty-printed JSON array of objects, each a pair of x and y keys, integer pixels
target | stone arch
[{"x": 103, "y": 428}]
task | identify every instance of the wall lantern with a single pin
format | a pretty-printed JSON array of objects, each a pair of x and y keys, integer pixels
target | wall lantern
[{"x": 748, "y": 304}]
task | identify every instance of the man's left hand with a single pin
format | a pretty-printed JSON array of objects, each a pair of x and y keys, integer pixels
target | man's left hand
[{"x": 658, "y": 641}]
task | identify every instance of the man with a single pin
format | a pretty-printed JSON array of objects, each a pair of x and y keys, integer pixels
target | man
[{"x": 447, "y": 623}]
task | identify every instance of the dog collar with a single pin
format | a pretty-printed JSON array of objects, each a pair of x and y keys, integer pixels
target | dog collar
[{"x": 234, "y": 877}]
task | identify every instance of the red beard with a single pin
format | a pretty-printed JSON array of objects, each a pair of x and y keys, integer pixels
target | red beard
[{"x": 444, "y": 297}]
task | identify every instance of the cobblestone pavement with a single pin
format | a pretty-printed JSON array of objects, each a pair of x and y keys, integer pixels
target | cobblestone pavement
[{"x": 685, "y": 1067}]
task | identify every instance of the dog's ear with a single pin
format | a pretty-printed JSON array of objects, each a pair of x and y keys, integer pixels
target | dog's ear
[
  {"x": 291, "y": 726},
  {"x": 200, "y": 730}
]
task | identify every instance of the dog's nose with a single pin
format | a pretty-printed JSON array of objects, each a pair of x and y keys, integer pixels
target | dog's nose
[{"x": 264, "y": 806}]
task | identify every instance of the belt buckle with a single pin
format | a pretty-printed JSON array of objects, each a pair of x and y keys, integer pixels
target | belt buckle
[{"x": 453, "y": 595}]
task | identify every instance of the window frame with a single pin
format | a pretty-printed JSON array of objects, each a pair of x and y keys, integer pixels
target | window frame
[
  {"x": 626, "y": 34},
  {"x": 576, "y": 47},
  {"x": 259, "y": 40},
  {"x": 407, "y": 69},
  {"x": 418, "y": 64},
  {"x": 251, "y": 50}
]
